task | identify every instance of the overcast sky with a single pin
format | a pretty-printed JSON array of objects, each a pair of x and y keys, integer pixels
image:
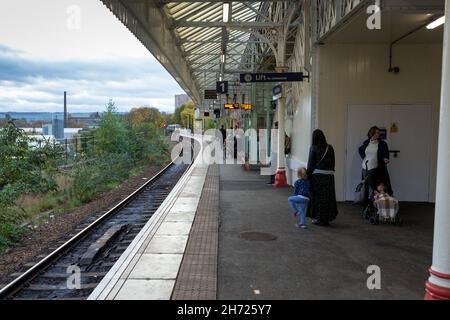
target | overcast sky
[{"x": 44, "y": 52}]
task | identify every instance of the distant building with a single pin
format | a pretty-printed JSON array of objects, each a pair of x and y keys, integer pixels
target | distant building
[
  {"x": 69, "y": 133},
  {"x": 47, "y": 129},
  {"x": 181, "y": 99},
  {"x": 91, "y": 121},
  {"x": 58, "y": 128}
]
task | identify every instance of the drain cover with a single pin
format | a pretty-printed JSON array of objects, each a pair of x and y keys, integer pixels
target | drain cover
[{"x": 257, "y": 236}]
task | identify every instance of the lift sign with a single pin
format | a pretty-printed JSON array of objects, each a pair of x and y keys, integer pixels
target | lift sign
[{"x": 272, "y": 77}]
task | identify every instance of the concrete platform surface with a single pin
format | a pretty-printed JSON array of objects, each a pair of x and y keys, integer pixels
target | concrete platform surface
[
  {"x": 317, "y": 263},
  {"x": 148, "y": 269}
]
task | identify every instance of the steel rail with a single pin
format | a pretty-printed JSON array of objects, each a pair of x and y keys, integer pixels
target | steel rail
[{"x": 33, "y": 272}]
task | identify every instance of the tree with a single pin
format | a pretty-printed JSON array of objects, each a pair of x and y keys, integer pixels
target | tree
[
  {"x": 182, "y": 113},
  {"x": 167, "y": 118},
  {"x": 146, "y": 115},
  {"x": 178, "y": 117},
  {"x": 112, "y": 135},
  {"x": 210, "y": 124},
  {"x": 24, "y": 168}
]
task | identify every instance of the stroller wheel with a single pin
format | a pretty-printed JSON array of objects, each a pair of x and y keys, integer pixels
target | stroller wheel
[
  {"x": 367, "y": 213},
  {"x": 398, "y": 222},
  {"x": 373, "y": 220}
]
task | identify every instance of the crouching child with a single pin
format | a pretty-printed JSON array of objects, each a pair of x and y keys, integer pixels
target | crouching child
[{"x": 300, "y": 201}]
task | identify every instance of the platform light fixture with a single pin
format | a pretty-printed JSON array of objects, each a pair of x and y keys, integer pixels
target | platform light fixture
[
  {"x": 222, "y": 58},
  {"x": 436, "y": 23},
  {"x": 226, "y": 12}
]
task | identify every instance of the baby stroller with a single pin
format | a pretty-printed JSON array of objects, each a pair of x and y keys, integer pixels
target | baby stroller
[{"x": 384, "y": 209}]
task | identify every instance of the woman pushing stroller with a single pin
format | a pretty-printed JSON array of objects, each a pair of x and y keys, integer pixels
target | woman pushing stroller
[
  {"x": 381, "y": 203},
  {"x": 375, "y": 155}
]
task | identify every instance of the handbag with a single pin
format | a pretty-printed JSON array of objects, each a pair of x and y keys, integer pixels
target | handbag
[{"x": 360, "y": 192}]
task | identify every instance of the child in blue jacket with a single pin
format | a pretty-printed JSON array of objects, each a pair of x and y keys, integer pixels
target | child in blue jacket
[{"x": 299, "y": 202}]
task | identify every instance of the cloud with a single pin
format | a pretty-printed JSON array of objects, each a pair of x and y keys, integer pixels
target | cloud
[{"x": 28, "y": 83}]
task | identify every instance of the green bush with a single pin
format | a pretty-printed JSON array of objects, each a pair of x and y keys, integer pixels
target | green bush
[
  {"x": 112, "y": 136},
  {"x": 149, "y": 144},
  {"x": 24, "y": 168},
  {"x": 10, "y": 231},
  {"x": 102, "y": 175},
  {"x": 106, "y": 156}
]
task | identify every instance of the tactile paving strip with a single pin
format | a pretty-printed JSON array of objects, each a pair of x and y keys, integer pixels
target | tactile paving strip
[{"x": 197, "y": 278}]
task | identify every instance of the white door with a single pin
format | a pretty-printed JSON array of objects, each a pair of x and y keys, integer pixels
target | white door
[
  {"x": 410, "y": 170},
  {"x": 408, "y": 130}
]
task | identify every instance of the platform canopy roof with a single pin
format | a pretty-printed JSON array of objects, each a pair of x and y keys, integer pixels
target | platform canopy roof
[
  {"x": 201, "y": 42},
  {"x": 219, "y": 39}
]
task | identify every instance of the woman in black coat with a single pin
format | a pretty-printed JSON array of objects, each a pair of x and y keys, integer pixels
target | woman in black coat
[
  {"x": 321, "y": 168},
  {"x": 375, "y": 155}
]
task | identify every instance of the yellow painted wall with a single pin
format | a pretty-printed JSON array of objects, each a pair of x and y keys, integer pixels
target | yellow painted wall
[{"x": 357, "y": 74}]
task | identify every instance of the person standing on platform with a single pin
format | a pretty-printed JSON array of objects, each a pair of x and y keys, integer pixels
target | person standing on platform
[
  {"x": 224, "y": 133},
  {"x": 375, "y": 155},
  {"x": 224, "y": 138},
  {"x": 321, "y": 169}
]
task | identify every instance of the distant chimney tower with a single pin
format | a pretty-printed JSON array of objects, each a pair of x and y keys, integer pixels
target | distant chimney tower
[{"x": 66, "y": 117}]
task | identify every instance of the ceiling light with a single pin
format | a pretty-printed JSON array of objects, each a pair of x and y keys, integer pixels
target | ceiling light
[
  {"x": 226, "y": 11},
  {"x": 436, "y": 23}
]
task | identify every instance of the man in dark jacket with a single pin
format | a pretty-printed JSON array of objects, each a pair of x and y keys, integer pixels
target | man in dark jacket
[{"x": 224, "y": 133}]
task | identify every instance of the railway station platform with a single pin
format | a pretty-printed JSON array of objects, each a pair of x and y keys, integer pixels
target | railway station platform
[
  {"x": 319, "y": 262},
  {"x": 224, "y": 233},
  {"x": 149, "y": 267}
]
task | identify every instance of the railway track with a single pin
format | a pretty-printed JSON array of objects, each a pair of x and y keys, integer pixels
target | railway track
[{"x": 76, "y": 267}]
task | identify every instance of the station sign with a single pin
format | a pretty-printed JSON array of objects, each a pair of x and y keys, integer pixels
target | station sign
[
  {"x": 222, "y": 87},
  {"x": 231, "y": 106},
  {"x": 210, "y": 95},
  {"x": 277, "y": 92},
  {"x": 272, "y": 77},
  {"x": 237, "y": 106}
]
